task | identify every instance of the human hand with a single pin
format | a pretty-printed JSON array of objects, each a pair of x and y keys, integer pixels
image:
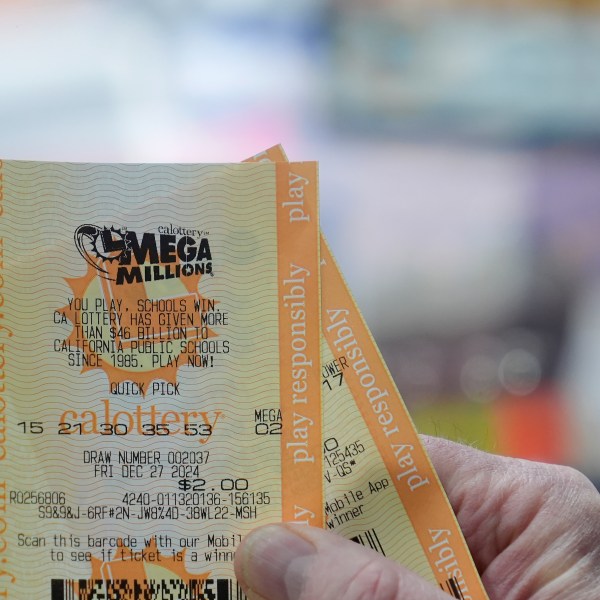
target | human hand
[{"x": 533, "y": 530}]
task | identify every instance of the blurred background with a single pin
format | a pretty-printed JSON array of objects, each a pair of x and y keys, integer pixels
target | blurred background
[{"x": 459, "y": 145}]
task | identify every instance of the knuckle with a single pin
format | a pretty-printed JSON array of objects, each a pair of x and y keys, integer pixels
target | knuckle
[
  {"x": 570, "y": 496},
  {"x": 577, "y": 479},
  {"x": 567, "y": 479},
  {"x": 554, "y": 477}
]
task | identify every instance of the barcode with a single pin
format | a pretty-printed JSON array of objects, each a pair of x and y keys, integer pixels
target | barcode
[
  {"x": 146, "y": 589},
  {"x": 453, "y": 588},
  {"x": 369, "y": 538}
]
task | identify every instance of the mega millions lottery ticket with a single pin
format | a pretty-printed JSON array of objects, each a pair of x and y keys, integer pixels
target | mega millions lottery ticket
[
  {"x": 158, "y": 326},
  {"x": 380, "y": 487}
]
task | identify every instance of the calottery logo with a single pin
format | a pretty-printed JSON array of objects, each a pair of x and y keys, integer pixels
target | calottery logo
[{"x": 137, "y": 313}]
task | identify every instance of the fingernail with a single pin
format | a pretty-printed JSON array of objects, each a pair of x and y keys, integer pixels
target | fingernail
[{"x": 274, "y": 562}]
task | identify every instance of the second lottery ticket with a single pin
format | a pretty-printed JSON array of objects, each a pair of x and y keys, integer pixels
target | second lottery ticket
[{"x": 380, "y": 488}]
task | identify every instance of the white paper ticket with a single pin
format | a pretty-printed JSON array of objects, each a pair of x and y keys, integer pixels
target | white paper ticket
[
  {"x": 380, "y": 487},
  {"x": 158, "y": 325}
]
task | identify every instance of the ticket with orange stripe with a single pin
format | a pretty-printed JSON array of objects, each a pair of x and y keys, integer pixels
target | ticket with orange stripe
[
  {"x": 159, "y": 324},
  {"x": 380, "y": 487}
]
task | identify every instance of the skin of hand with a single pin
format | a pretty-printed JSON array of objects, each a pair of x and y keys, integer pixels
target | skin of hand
[{"x": 533, "y": 530}]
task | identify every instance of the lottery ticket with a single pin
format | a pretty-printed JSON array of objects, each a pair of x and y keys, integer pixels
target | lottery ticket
[
  {"x": 158, "y": 325},
  {"x": 380, "y": 487}
]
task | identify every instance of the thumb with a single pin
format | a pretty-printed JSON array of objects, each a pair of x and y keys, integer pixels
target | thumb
[{"x": 293, "y": 562}]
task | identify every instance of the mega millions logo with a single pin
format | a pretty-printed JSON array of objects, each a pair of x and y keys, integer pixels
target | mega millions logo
[
  {"x": 137, "y": 312},
  {"x": 153, "y": 257}
]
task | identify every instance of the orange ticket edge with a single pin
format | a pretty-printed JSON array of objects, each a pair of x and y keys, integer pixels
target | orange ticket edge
[
  {"x": 300, "y": 330},
  {"x": 392, "y": 428}
]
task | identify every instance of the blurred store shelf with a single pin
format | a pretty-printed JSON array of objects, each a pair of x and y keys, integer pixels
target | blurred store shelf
[{"x": 475, "y": 70}]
